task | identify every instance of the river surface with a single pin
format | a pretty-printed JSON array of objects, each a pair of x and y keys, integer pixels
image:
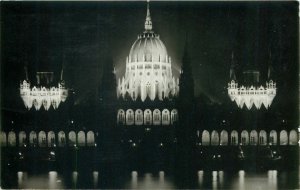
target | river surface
[{"x": 241, "y": 179}]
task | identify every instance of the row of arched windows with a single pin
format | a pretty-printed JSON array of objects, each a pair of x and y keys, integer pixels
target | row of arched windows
[
  {"x": 49, "y": 139},
  {"x": 246, "y": 138},
  {"x": 147, "y": 117}
]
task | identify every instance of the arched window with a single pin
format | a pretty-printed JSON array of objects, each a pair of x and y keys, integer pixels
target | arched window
[
  {"x": 51, "y": 139},
  {"x": 148, "y": 89},
  {"x": 234, "y": 137},
  {"x": 293, "y": 138},
  {"x": 205, "y": 138},
  {"x": 121, "y": 117},
  {"x": 129, "y": 117},
  {"x": 273, "y": 137},
  {"x": 61, "y": 139},
  {"x": 22, "y": 139},
  {"x": 245, "y": 137},
  {"x": 11, "y": 138},
  {"x": 90, "y": 137},
  {"x": 81, "y": 138},
  {"x": 156, "y": 117},
  {"x": 166, "y": 117},
  {"x": 72, "y": 138},
  {"x": 253, "y": 137},
  {"x": 42, "y": 139},
  {"x": 224, "y": 138},
  {"x": 174, "y": 116},
  {"x": 33, "y": 138},
  {"x": 138, "y": 117},
  {"x": 262, "y": 137},
  {"x": 147, "y": 117},
  {"x": 283, "y": 137},
  {"x": 3, "y": 138},
  {"x": 214, "y": 138}
]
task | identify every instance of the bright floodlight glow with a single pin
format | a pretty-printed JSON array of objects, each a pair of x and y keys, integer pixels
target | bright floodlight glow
[
  {"x": 42, "y": 96},
  {"x": 148, "y": 68},
  {"x": 250, "y": 96}
]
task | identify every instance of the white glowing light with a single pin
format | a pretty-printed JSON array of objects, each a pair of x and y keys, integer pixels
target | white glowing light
[
  {"x": 42, "y": 96},
  {"x": 148, "y": 68},
  {"x": 250, "y": 96}
]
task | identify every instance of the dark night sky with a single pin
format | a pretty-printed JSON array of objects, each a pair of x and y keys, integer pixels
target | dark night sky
[{"x": 86, "y": 33}]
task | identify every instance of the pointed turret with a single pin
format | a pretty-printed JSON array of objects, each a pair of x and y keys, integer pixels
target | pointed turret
[
  {"x": 26, "y": 71},
  {"x": 148, "y": 22},
  {"x": 108, "y": 83},
  {"x": 270, "y": 68},
  {"x": 232, "y": 68},
  {"x": 186, "y": 81},
  {"x": 62, "y": 68}
]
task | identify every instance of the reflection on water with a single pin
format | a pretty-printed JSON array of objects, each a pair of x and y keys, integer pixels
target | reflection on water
[
  {"x": 74, "y": 178},
  {"x": 241, "y": 179},
  {"x": 52, "y": 179},
  {"x": 22, "y": 176},
  {"x": 95, "y": 178},
  {"x": 200, "y": 178},
  {"x": 134, "y": 179},
  {"x": 221, "y": 178},
  {"x": 272, "y": 179},
  {"x": 214, "y": 180},
  {"x": 160, "y": 180},
  {"x": 150, "y": 181}
]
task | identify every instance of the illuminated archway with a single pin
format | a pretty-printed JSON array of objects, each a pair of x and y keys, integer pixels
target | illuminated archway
[
  {"x": 214, "y": 138},
  {"x": 22, "y": 138},
  {"x": 33, "y": 138},
  {"x": 3, "y": 138},
  {"x": 90, "y": 136},
  {"x": 156, "y": 117},
  {"x": 129, "y": 117},
  {"x": 205, "y": 138},
  {"x": 81, "y": 138},
  {"x": 51, "y": 139},
  {"x": 283, "y": 137},
  {"x": 224, "y": 138},
  {"x": 72, "y": 138},
  {"x": 61, "y": 138},
  {"x": 166, "y": 117},
  {"x": 234, "y": 137},
  {"x": 42, "y": 139},
  {"x": 138, "y": 117},
  {"x": 245, "y": 137},
  {"x": 262, "y": 139},
  {"x": 293, "y": 138},
  {"x": 253, "y": 137},
  {"x": 273, "y": 137},
  {"x": 121, "y": 117}
]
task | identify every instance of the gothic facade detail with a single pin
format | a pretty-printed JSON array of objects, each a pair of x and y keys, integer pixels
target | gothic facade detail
[
  {"x": 148, "y": 68},
  {"x": 43, "y": 95},
  {"x": 252, "y": 93}
]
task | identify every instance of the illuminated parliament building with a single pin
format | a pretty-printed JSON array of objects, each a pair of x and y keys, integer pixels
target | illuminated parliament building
[{"x": 150, "y": 107}]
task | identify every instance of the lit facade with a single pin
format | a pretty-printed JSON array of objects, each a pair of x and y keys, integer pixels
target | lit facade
[
  {"x": 43, "y": 95},
  {"x": 252, "y": 95},
  {"x": 252, "y": 92},
  {"x": 148, "y": 68}
]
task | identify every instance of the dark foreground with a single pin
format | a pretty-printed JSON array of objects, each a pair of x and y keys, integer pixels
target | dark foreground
[{"x": 245, "y": 167}]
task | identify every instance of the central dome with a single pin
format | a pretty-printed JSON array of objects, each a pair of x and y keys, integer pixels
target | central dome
[
  {"x": 148, "y": 71},
  {"x": 148, "y": 47}
]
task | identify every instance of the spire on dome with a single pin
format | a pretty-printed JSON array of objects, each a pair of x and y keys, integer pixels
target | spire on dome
[{"x": 148, "y": 22}]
